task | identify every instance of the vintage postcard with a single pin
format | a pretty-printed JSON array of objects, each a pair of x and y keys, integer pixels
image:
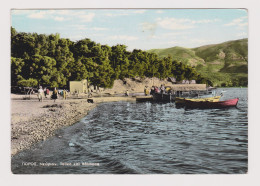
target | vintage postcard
[{"x": 129, "y": 91}]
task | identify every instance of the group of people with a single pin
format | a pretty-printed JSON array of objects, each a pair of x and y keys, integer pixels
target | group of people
[
  {"x": 151, "y": 91},
  {"x": 156, "y": 89},
  {"x": 54, "y": 95}
]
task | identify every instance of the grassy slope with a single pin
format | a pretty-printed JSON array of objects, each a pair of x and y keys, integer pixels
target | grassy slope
[
  {"x": 221, "y": 63},
  {"x": 184, "y": 55}
]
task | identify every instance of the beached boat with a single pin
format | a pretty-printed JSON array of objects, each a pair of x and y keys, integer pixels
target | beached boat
[
  {"x": 180, "y": 100},
  {"x": 211, "y": 105}
]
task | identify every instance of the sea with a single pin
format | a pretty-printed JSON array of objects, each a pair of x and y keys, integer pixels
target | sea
[{"x": 146, "y": 138}]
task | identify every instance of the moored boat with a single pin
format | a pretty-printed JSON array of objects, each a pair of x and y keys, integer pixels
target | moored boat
[
  {"x": 144, "y": 98},
  {"x": 168, "y": 94},
  {"x": 211, "y": 105},
  {"x": 163, "y": 97},
  {"x": 180, "y": 100}
]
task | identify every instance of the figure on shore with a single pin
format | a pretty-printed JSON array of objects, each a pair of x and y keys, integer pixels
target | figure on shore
[
  {"x": 152, "y": 90},
  {"x": 45, "y": 92},
  {"x": 60, "y": 92},
  {"x": 40, "y": 93},
  {"x": 64, "y": 94},
  {"x": 162, "y": 89},
  {"x": 156, "y": 90},
  {"x": 126, "y": 93},
  {"x": 54, "y": 95},
  {"x": 146, "y": 91}
]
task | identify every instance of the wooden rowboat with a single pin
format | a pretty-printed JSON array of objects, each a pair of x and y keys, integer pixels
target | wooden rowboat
[
  {"x": 180, "y": 100},
  {"x": 211, "y": 105}
]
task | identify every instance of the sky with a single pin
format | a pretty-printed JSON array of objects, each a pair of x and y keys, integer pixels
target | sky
[{"x": 137, "y": 28}]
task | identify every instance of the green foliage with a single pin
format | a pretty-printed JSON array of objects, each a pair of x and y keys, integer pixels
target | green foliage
[
  {"x": 27, "y": 82},
  {"x": 16, "y": 69},
  {"x": 48, "y": 60}
]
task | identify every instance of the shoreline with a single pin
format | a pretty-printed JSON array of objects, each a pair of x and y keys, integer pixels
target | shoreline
[{"x": 33, "y": 121}]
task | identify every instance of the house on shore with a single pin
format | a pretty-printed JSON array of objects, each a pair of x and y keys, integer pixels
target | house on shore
[
  {"x": 189, "y": 87},
  {"x": 174, "y": 81},
  {"x": 79, "y": 86},
  {"x": 187, "y": 82}
]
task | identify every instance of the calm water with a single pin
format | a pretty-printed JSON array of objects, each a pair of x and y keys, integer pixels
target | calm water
[{"x": 146, "y": 138}]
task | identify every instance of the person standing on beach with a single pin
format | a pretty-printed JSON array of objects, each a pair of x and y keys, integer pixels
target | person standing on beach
[
  {"x": 40, "y": 93},
  {"x": 126, "y": 93},
  {"x": 54, "y": 95},
  {"x": 45, "y": 92},
  {"x": 64, "y": 94}
]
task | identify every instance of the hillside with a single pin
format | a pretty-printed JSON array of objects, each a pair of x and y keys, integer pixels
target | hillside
[
  {"x": 185, "y": 55},
  {"x": 225, "y": 64}
]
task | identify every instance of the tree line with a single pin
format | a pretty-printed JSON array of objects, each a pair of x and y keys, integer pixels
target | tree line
[{"x": 48, "y": 60}]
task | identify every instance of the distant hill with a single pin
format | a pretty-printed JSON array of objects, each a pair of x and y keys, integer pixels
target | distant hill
[{"x": 225, "y": 64}]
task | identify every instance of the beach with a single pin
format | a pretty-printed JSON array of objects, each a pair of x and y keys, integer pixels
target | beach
[{"x": 33, "y": 121}]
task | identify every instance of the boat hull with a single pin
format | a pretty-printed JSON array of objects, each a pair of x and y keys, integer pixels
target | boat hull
[
  {"x": 162, "y": 97},
  {"x": 179, "y": 100},
  {"x": 144, "y": 98},
  {"x": 211, "y": 105}
]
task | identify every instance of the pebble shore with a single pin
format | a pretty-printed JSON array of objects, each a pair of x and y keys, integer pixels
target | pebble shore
[{"x": 33, "y": 121}]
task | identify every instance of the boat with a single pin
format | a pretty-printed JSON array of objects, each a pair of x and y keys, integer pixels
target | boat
[
  {"x": 210, "y": 104},
  {"x": 163, "y": 97},
  {"x": 169, "y": 95},
  {"x": 181, "y": 101},
  {"x": 144, "y": 98}
]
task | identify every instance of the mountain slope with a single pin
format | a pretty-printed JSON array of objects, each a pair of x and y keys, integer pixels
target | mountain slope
[
  {"x": 225, "y": 64},
  {"x": 185, "y": 55}
]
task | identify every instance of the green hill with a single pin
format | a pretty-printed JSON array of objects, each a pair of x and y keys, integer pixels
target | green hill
[
  {"x": 225, "y": 64},
  {"x": 185, "y": 55}
]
